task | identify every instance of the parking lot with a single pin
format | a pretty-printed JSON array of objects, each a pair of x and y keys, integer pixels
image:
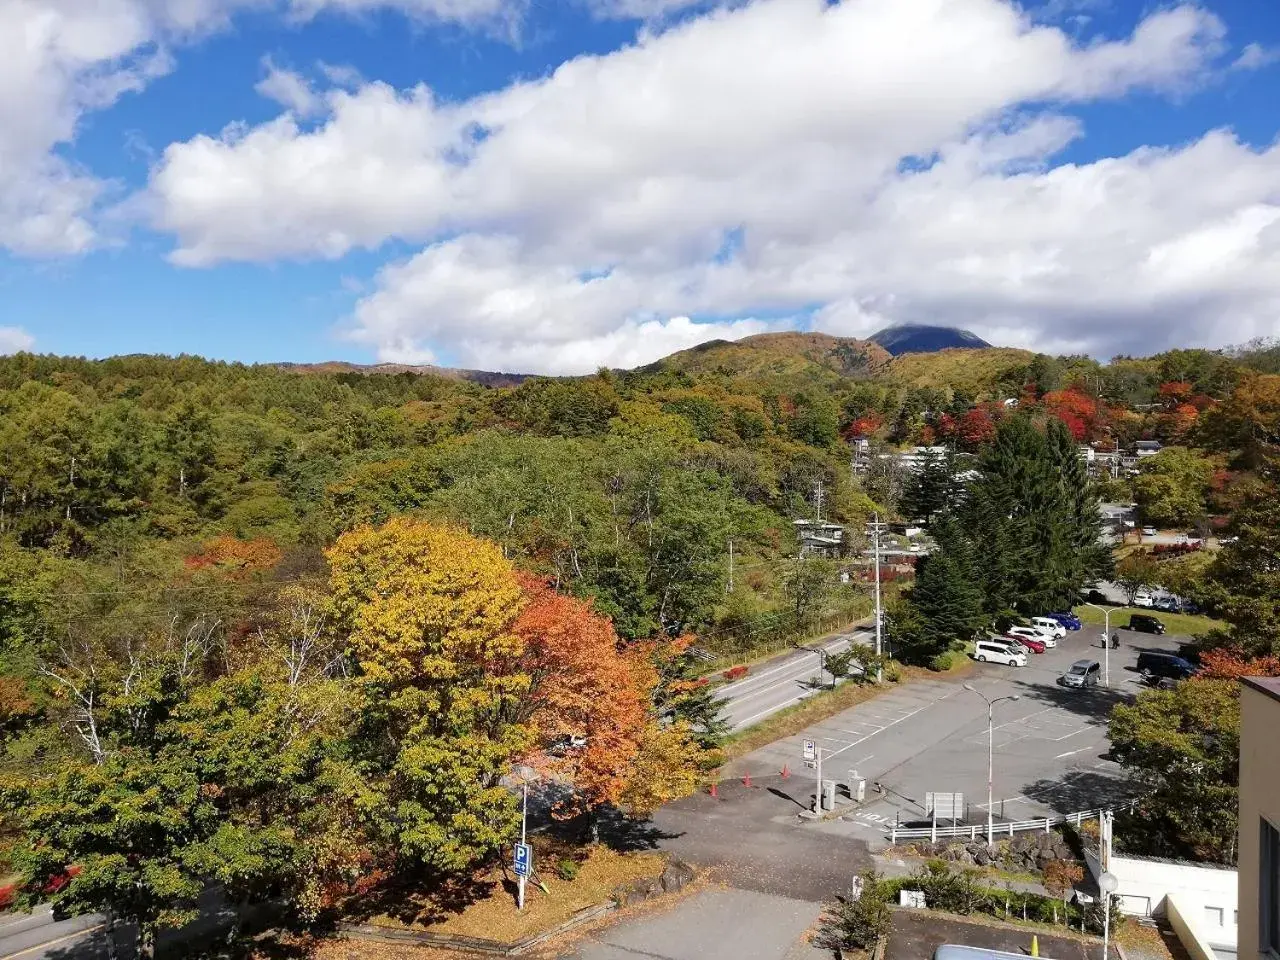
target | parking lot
[{"x": 931, "y": 737}]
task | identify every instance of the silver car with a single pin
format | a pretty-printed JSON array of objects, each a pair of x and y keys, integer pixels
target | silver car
[{"x": 1081, "y": 674}]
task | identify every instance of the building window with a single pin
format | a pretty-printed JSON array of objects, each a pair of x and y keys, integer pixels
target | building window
[
  {"x": 1213, "y": 916},
  {"x": 1269, "y": 891}
]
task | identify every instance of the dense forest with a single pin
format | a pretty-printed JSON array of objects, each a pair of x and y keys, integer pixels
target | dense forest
[{"x": 287, "y": 630}]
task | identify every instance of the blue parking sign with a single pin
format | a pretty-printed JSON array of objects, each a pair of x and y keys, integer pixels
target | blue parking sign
[{"x": 524, "y": 860}]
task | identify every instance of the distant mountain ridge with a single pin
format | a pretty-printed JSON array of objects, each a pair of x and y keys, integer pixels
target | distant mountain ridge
[
  {"x": 923, "y": 338},
  {"x": 813, "y": 355},
  {"x": 483, "y": 377}
]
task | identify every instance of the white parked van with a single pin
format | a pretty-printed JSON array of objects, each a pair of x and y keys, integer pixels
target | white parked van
[
  {"x": 996, "y": 652},
  {"x": 1048, "y": 623}
]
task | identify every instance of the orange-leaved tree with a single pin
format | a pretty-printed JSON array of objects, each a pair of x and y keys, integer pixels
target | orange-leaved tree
[{"x": 581, "y": 686}]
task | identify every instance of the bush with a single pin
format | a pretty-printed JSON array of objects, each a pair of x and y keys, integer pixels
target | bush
[
  {"x": 567, "y": 869},
  {"x": 736, "y": 673},
  {"x": 943, "y": 662},
  {"x": 856, "y": 924},
  {"x": 892, "y": 671}
]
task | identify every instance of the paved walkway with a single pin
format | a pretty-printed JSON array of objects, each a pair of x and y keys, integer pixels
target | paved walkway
[{"x": 712, "y": 925}]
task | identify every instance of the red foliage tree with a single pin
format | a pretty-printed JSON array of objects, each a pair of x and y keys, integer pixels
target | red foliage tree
[
  {"x": 1224, "y": 664},
  {"x": 581, "y": 685},
  {"x": 234, "y": 557},
  {"x": 1077, "y": 410}
]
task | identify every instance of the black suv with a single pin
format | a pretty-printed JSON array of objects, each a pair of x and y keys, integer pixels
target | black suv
[
  {"x": 1145, "y": 623},
  {"x": 1163, "y": 669}
]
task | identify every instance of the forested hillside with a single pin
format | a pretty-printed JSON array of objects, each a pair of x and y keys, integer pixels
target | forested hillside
[{"x": 286, "y": 630}]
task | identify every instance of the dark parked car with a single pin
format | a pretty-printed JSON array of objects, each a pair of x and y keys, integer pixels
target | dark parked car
[
  {"x": 1068, "y": 620},
  {"x": 1145, "y": 623},
  {"x": 1163, "y": 669}
]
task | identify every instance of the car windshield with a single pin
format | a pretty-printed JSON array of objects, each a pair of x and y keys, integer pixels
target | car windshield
[{"x": 1079, "y": 669}]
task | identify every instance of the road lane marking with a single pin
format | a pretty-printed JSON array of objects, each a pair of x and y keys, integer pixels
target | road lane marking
[
  {"x": 1071, "y": 753},
  {"x": 727, "y": 691},
  {"x": 50, "y": 943}
]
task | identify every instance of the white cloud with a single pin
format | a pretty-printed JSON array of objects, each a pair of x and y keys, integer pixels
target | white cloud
[
  {"x": 290, "y": 90},
  {"x": 15, "y": 340},
  {"x": 883, "y": 160},
  {"x": 60, "y": 59},
  {"x": 644, "y": 9},
  {"x": 1255, "y": 56}
]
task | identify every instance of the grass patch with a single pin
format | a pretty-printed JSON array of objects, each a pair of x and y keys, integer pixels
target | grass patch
[
  {"x": 1185, "y": 623},
  {"x": 495, "y": 916}
]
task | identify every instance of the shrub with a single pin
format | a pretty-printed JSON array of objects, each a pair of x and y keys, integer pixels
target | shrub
[
  {"x": 892, "y": 671},
  {"x": 567, "y": 869},
  {"x": 856, "y": 924},
  {"x": 736, "y": 673},
  {"x": 943, "y": 662}
]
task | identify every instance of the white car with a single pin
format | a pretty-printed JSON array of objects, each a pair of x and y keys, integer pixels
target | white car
[
  {"x": 1144, "y": 600},
  {"x": 1050, "y": 624},
  {"x": 1149, "y": 531},
  {"x": 1035, "y": 633},
  {"x": 998, "y": 652}
]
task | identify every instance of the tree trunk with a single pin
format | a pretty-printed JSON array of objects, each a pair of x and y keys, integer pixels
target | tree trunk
[
  {"x": 147, "y": 941},
  {"x": 109, "y": 930}
]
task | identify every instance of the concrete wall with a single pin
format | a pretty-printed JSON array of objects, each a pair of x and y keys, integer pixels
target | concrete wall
[
  {"x": 1207, "y": 897},
  {"x": 1183, "y": 922},
  {"x": 1259, "y": 799}
]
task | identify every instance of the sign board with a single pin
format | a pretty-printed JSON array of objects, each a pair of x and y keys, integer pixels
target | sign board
[
  {"x": 810, "y": 750},
  {"x": 524, "y": 860},
  {"x": 945, "y": 806}
]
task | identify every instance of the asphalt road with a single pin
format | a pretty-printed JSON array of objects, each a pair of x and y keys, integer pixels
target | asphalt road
[
  {"x": 711, "y": 925},
  {"x": 782, "y": 681},
  {"x": 931, "y": 736}
]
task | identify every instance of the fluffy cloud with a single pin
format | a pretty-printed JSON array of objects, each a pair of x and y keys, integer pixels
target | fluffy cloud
[
  {"x": 14, "y": 340},
  {"x": 869, "y": 162},
  {"x": 60, "y": 59}
]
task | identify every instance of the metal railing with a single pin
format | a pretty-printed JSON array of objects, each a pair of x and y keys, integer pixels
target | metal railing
[{"x": 974, "y": 831}]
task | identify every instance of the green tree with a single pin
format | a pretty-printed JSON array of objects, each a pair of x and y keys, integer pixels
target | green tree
[
  {"x": 807, "y": 585},
  {"x": 931, "y": 489},
  {"x": 1242, "y": 583},
  {"x": 1171, "y": 489},
  {"x": 1137, "y": 572},
  {"x": 946, "y": 592},
  {"x": 1182, "y": 748}
]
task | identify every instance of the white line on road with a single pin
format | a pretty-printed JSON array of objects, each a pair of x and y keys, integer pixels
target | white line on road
[
  {"x": 50, "y": 943},
  {"x": 726, "y": 692},
  {"x": 1070, "y": 753}
]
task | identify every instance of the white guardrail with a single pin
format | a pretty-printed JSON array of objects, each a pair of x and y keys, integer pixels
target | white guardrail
[{"x": 973, "y": 831}]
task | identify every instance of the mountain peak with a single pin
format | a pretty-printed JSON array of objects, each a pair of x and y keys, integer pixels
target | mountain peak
[{"x": 923, "y": 338}]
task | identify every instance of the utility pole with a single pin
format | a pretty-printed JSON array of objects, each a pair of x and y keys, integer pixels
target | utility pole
[
  {"x": 730, "y": 590},
  {"x": 875, "y": 539}
]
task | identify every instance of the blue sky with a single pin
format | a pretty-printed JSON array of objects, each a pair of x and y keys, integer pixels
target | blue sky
[{"x": 551, "y": 187}]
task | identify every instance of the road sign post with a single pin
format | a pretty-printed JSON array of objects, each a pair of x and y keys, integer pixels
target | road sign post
[{"x": 524, "y": 853}]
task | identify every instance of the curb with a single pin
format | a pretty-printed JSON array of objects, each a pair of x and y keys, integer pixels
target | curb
[{"x": 474, "y": 945}]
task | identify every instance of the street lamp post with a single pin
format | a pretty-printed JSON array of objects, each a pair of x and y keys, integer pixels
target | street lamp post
[
  {"x": 1107, "y": 884},
  {"x": 1106, "y": 642},
  {"x": 991, "y": 756}
]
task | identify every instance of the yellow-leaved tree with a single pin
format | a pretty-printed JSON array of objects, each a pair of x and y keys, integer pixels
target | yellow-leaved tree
[{"x": 427, "y": 613}]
